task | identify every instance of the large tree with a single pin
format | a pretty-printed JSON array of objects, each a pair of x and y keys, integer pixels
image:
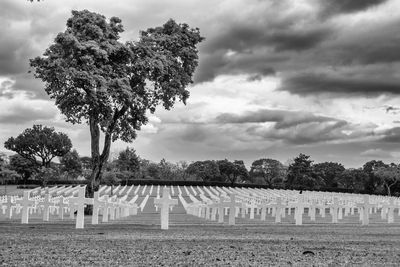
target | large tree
[
  {"x": 110, "y": 85},
  {"x": 40, "y": 142}
]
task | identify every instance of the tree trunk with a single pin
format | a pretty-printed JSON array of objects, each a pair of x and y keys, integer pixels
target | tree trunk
[
  {"x": 98, "y": 160},
  {"x": 388, "y": 189},
  {"x": 95, "y": 152}
]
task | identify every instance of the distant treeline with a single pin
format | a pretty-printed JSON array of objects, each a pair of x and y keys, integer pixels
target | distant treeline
[{"x": 375, "y": 177}]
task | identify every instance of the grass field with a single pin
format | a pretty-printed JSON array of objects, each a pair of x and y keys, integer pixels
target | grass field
[{"x": 133, "y": 244}]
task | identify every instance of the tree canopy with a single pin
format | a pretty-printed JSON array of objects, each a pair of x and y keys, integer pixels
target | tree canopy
[
  {"x": 40, "y": 142},
  {"x": 328, "y": 172},
  {"x": 128, "y": 160},
  {"x": 270, "y": 171},
  {"x": 233, "y": 171},
  {"x": 71, "y": 163},
  {"x": 110, "y": 85},
  {"x": 389, "y": 175},
  {"x": 206, "y": 170},
  {"x": 22, "y": 166},
  {"x": 300, "y": 173}
]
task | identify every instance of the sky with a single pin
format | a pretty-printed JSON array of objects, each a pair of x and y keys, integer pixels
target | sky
[{"x": 275, "y": 78}]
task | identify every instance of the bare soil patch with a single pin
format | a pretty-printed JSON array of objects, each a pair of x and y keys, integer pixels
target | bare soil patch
[{"x": 58, "y": 244}]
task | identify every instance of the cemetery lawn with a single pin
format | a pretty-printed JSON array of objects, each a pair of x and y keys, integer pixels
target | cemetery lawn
[{"x": 58, "y": 244}]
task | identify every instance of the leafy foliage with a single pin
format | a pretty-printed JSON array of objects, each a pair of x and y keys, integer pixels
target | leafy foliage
[
  {"x": 45, "y": 174},
  {"x": 328, "y": 172},
  {"x": 372, "y": 184},
  {"x": 270, "y": 171},
  {"x": 41, "y": 142},
  {"x": 389, "y": 176},
  {"x": 300, "y": 174},
  {"x": 232, "y": 171},
  {"x": 22, "y": 166},
  {"x": 71, "y": 163},
  {"x": 128, "y": 160},
  {"x": 353, "y": 179},
  {"x": 204, "y": 170}
]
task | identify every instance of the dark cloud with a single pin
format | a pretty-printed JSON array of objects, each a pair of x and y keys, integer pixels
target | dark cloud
[
  {"x": 245, "y": 38},
  {"x": 219, "y": 63},
  {"x": 365, "y": 43},
  {"x": 303, "y": 134},
  {"x": 391, "y": 135},
  {"x": 254, "y": 50},
  {"x": 348, "y": 6},
  {"x": 376, "y": 153},
  {"x": 298, "y": 40},
  {"x": 283, "y": 118},
  {"x": 259, "y": 41},
  {"x": 24, "y": 114},
  {"x": 392, "y": 109},
  {"x": 294, "y": 127},
  {"x": 314, "y": 83},
  {"x": 194, "y": 133}
]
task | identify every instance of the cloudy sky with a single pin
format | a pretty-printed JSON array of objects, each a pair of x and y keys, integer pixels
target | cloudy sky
[{"x": 275, "y": 78}]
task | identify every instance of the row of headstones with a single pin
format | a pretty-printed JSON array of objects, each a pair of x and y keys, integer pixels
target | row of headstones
[
  {"x": 209, "y": 209},
  {"x": 110, "y": 208},
  {"x": 212, "y": 208}
]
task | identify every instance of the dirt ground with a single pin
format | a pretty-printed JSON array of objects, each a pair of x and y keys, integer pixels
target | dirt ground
[{"x": 58, "y": 244}]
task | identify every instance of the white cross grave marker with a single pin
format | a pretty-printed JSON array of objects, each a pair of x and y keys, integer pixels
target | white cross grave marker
[
  {"x": 164, "y": 203},
  {"x": 46, "y": 207},
  {"x": 366, "y": 206},
  {"x": 61, "y": 206},
  {"x": 80, "y": 202},
  {"x": 25, "y": 202},
  {"x": 278, "y": 209},
  {"x": 97, "y": 204}
]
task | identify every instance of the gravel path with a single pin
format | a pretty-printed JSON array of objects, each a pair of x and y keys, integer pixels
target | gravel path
[{"x": 207, "y": 245}]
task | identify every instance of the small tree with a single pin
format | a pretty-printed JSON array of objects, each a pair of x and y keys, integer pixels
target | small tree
[
  {"x": 300, "y": 174},
  {"x": 232, "y": 171},
  {"x": 128, "y": 160},
  {"x": 181, "y": 170},
  {"x": 45, "y": 174},
  {"x": 112, "y": 86},
  {"x": 204, "y": 170},
  {"x": 22, "y": 166},
  {"x": 40, "y": 142},
  {"x": 373, "y": 182},
  {"x": 389, "y": 176},
  {"x": 353, "y": 179},
  {"x": 328, "y": 172},
  {"x": 71, "y": 163},
  {"x": 271, "y": 171}
]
